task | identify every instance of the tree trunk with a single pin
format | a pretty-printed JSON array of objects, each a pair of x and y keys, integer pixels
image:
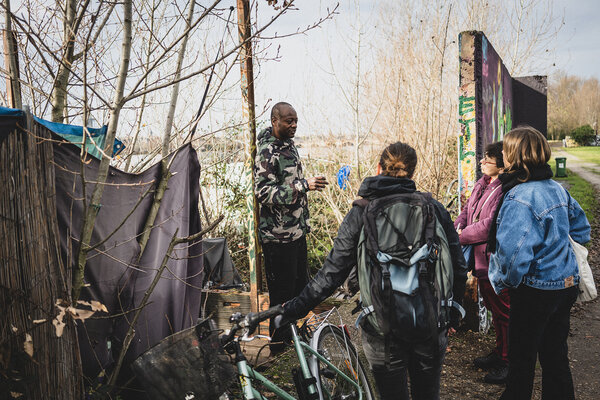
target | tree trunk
[
  {"x": 164, "y": 178},
  {"x": 11, "y": 61},
  {"x": 117, "y": 104},
  {"x": 59, "y": 91},
  {"x": 175, "y": 89}
]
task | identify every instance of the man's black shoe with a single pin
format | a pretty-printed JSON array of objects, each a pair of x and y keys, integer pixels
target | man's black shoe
[
  {"x": 488, "y": 362},
  {"x": 497, "y": 375}
]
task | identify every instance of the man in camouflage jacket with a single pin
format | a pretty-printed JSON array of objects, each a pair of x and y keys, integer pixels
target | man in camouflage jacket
[{"x": 281, "y": 190}]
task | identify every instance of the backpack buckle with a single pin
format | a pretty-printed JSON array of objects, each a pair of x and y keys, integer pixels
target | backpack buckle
[{"x": 434, "y": 251}]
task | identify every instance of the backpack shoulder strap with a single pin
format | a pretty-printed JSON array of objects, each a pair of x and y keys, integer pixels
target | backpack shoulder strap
[
  {"x": 429, "y": 234},
  {"x": 429, "y": 217},
  {"x": 362, "y": 203}
]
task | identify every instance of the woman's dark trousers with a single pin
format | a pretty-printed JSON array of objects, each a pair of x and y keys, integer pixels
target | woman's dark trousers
[
  {"x": 419, "y": 362},
  {"x": 539, "y": 326}
]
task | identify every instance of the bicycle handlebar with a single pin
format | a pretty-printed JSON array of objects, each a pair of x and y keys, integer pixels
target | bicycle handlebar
[
  {"x": 253, "y": 319},
  {"x": 250, "y": 321}
]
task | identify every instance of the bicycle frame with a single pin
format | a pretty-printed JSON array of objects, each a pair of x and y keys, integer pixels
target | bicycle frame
[{"x": 247, "y": 374}]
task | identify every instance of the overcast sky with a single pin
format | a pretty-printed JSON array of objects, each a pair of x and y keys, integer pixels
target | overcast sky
[
  {"x": 302, "y": 75},
  {"x": 578, "y": 44}
]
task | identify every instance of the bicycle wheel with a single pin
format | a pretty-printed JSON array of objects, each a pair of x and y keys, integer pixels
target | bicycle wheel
[{"x": 335, "y": 346}]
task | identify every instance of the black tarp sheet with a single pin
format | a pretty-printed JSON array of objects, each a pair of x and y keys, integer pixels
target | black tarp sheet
[
  {"x": 114, "y": 275},
  {"x": 218, "y": 267}
]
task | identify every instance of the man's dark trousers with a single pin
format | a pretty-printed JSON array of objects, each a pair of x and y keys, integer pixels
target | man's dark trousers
[{"x": 286, "y": 267}]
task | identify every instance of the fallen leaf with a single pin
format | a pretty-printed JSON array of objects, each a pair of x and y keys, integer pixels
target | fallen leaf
[
  {"x": 97, "y": 306},
  {"x": 14, "y": 328},
  {"x": 78, "y": 313},
  {"x": 16, "y": 395},
  {"x": 39, "y": 321},
  {"x": 28, "y": 345},
  {"x": 58, "y": 321}
]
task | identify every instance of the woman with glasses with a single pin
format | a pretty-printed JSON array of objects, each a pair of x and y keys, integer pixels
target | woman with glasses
[{"x": 473, "y": 225}]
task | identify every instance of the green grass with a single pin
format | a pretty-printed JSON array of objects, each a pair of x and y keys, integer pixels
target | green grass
[
  {"x": 581, "y": 190},
  {"x": 589, "y": 154}
]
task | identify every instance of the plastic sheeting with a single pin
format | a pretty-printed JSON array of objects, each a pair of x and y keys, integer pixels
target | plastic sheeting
[
  {"x": 218, "y": 267},
  {"x": 115, "y": 276},
  {"x": 73, "y": 133}
]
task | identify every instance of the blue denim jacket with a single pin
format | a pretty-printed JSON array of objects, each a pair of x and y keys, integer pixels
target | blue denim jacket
[{"x": 532, "y": 241}]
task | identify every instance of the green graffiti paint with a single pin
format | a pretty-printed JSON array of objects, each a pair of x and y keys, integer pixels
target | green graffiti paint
[{"x": 466, "y": 111}]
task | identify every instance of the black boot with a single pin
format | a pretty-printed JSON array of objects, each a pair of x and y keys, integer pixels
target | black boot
[
  {"x": 488, "y": 362},
  {"x": 497, "y": 375}
]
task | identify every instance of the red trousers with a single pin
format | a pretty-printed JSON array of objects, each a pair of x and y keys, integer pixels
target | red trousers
[{"x": 499, "y": 306}]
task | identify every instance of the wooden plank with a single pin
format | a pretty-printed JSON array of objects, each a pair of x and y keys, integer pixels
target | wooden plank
[{"x": 219, "y": 305}]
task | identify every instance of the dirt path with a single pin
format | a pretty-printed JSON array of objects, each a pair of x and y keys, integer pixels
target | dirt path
[
  {"x": 584, "y": 342},
  {"x": 588, "y": 171}
]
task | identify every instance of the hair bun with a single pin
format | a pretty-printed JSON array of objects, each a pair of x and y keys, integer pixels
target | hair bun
[{"x": 398, "y": 160}]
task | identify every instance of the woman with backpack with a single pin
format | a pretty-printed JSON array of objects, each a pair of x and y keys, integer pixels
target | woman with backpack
[
  {"x": 391, "y": 360},
  {"x": 473, "y": 225},
  {"x": 533, "y": 259}
]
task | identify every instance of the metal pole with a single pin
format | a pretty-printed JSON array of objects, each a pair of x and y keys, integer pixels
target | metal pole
[
  {"x": 247, "y": 83},
  {"x": 11, "y": 61}
]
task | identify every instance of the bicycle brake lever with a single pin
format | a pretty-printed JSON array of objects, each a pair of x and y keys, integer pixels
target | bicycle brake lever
[{"x": 247, "y": 338}]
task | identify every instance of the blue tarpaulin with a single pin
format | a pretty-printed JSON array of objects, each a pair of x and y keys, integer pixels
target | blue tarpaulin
[{"x": 73, "y": 133}]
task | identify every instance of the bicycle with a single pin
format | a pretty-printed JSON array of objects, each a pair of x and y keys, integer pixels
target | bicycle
[{"x": 332, "y": 371}]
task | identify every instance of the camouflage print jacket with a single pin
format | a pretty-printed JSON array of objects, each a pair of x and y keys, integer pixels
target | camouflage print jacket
[{"x": 281, "y": 190}]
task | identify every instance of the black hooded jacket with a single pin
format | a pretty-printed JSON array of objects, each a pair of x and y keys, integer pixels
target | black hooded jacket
[{"x": 343, "y": 257}]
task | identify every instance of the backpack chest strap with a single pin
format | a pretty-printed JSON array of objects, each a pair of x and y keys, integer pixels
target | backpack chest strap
[{"x": 365, "y": 311}]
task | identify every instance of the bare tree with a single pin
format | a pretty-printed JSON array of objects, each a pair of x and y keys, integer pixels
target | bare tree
[
  {"x": 572, "y": 102},
  {"x": 523, "y": 31},
  {"x": 419, "y": 107},
  {"x": 72, "y": 52},
  {"x": 418, "y": 63},
  {"x": 13, "y": 87}
]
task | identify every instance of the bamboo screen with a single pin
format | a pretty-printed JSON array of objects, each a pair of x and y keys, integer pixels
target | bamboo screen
[{"x": 35, "y": 363}]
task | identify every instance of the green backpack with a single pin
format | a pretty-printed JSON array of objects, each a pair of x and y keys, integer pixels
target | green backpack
[{"x": 404, "y": 267}]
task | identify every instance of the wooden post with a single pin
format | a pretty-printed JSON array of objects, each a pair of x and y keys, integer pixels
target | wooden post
[
  {"x": 11, "y": 61},
  {"x": 247, "y": 83}
]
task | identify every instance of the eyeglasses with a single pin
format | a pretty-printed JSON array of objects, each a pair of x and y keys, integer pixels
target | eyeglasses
[{"x": 487, "y": 160}]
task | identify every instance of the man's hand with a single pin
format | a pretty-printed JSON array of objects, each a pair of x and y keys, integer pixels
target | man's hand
[{"x": 317, "y": 183}]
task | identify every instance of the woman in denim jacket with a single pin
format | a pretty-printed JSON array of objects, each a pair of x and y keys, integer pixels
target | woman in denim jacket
[
  {"x": 533, "y": 260},
  {"x": 473, "y": 225}
]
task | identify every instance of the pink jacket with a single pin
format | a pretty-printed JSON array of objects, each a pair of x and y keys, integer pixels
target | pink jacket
[{"x": 476, "y": 218}]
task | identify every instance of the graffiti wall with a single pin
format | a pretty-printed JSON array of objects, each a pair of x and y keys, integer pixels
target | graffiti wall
[
  {"x": 496, "y": 100},
  {"x": 491, "y": 102},
  {"x": 467, "y": 140}
]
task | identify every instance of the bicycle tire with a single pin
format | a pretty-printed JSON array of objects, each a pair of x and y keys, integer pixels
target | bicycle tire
[{"x": 333, "y": 344}]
